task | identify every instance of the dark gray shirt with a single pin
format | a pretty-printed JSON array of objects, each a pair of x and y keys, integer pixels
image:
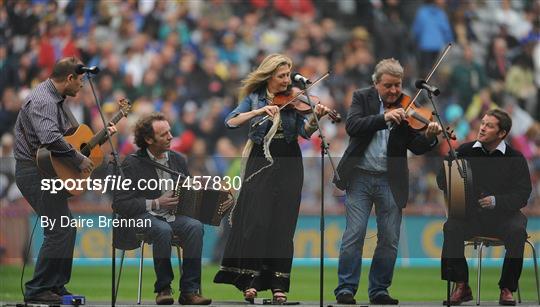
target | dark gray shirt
[{"x": 41, "y": 121}]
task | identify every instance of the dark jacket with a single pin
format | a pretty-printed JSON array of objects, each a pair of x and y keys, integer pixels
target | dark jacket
[
  {"x": 132, "y": 201},
  {"x": 363, "y": 121},
  {"x": 504, "y": 176}
]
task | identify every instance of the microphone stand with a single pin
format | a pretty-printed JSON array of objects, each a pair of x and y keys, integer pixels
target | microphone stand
[
  {"x": 116, "y": 169},
  {"x": 452, "y": 157},
  {"x": 324, "y": 151}
]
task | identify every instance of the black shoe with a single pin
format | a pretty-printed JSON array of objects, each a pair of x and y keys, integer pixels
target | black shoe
[
  {"x": 62, "y": 291},
  {"x": 46, "y": 297},
  {"x": 383, "y": 299},
  {"x": 345, "y": 299}
]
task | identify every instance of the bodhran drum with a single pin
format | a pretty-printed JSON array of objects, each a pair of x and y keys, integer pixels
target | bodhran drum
[{"x": 459, "y": 188}]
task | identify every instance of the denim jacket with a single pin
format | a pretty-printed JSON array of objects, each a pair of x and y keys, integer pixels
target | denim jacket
[{"x": 291, "y": 121}]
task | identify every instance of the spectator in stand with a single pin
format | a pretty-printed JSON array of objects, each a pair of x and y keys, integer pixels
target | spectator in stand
[
  {"x": 291, "y": 8},
  {"x": 468, "y": 77},
  {"x": 480, "y": 104},
  {"x": 9, "y": 109},
  {"x": 432, "y": 32},
  {"x": 518, "y": 26},
  {"x": 390, "y": 34},
  {"x": 497, "y": 61},
  {"x": 520, "y": 82}
]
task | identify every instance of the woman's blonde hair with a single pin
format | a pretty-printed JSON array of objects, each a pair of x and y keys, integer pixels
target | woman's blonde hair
[{"x": 258, "y": 78}]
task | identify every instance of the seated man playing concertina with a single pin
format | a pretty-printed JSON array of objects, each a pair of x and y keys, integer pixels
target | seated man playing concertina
[{"x": 153, "y": 137}]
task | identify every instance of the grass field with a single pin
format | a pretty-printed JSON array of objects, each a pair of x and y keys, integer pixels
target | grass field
[{"x": 410, "y": 284}]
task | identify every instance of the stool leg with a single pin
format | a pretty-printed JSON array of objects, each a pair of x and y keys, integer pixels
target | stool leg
[
  {"x": 535, "y": 270},
  {"x": 479, "y": 274},
  {"x": 179, "y": 259},
  {"x": 448, "y": 282},
  {"x": 139, "y": 286},
  {"x": 519, "y": 294},
  {"x": 119, "y": 274}
]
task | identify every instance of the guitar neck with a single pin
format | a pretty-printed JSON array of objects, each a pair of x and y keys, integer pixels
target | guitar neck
[{"x": 101, "y": 136}]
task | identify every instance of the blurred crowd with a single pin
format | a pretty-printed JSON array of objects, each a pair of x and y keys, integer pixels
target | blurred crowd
[{"x": 186, "y": 59}]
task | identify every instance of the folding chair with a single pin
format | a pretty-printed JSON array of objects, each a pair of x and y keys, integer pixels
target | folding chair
[
  {"x": 479, "y": 243},
  {"x": 145, "y": 240}
]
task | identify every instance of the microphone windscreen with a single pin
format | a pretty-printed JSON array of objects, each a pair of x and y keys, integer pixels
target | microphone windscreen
[{"x": 79, "y": 69}]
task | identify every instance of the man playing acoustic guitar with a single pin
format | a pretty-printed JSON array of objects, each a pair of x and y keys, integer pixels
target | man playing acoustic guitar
[
  {"x": 501, "y": 185},
  {"x": 42, "y": 121}
]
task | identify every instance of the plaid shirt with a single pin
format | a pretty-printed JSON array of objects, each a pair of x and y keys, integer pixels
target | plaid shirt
[{"x": 42, "y": 121}]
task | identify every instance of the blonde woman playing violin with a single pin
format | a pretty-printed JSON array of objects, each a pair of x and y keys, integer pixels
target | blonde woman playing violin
[{"x": 259, "y": 251}]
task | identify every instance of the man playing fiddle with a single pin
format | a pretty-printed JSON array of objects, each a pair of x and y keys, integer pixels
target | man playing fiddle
[{"x": 374, "y": 170}]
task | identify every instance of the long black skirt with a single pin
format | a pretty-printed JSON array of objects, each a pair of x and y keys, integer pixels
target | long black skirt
[{"x": 260, "y": 249}]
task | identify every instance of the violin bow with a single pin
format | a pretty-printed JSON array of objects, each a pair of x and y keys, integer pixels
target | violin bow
[
  {"x": 433, "y": 69},
  {"x": 262, "y": 120}
]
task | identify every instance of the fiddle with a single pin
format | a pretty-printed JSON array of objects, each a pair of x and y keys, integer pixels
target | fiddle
[
  {"x": 299, "y": 102},
  {"x": 294, "y": 98},
  {"x": 417, "y": 117}
]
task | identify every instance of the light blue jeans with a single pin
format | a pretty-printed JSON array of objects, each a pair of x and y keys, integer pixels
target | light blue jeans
[{"x": 363, "y": 191}]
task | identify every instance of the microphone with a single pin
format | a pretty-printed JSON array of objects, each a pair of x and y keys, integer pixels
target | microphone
[
  {"x": 81, "y": 69},
  {"x": 422, "y": 84},
  {"x": 299, "y": 78}
]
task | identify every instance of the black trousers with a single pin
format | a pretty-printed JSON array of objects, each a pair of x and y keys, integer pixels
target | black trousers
[
  {"x": 55, "y": 258},
  {"x": 511, "y": 230}
]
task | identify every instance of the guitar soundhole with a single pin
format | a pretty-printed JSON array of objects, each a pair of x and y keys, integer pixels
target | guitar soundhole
[{"x": 84, "y": 152}]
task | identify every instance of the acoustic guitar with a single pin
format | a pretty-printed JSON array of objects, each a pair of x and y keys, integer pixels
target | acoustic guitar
[{"x": 82, "y": 139}]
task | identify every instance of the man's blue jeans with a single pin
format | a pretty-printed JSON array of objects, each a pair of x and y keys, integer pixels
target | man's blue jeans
[
  {"x": 363, "y": 191},
  {"x": 161, "y": 233}
]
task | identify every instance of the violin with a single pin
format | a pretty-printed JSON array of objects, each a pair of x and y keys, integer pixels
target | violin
[
  {"x": 417, "y": 117},
  {"x": 294, "y": 98}
]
